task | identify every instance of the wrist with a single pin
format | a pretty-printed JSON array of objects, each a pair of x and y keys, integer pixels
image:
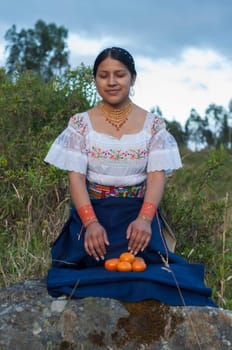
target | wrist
[
  {"x": 90, "y": 222},
  {"x": 145, "y": 218},
  {"x": 87, "y": 214},
  {"x": 147, "y": 211}
]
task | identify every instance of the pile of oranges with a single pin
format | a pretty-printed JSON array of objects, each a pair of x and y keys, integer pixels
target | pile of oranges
[{"x": 125, "y": 263}]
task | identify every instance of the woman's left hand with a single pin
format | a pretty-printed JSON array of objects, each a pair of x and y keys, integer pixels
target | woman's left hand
[{"x": 138, "y": 235}]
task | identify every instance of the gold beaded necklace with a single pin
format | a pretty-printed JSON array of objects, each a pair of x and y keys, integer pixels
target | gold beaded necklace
[{"x": 116, "y": 116}]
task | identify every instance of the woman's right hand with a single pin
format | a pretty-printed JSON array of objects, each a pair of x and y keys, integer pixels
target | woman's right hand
[{"x": 96, "y": 240}]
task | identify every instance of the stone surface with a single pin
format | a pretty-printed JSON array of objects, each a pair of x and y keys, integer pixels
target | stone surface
[{"x": 32, "y": 320}]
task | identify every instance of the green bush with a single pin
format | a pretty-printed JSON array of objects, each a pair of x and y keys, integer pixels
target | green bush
[
  {"x": 33, "y": 195},
  {"x": 34, "y": 198},
  {"x": 198, "y": 204}
]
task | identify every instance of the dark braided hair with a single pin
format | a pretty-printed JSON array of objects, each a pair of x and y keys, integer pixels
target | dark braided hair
[{"x": 116, "y": 53}]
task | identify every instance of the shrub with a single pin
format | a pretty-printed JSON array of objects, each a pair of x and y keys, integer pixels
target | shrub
[{"x": 35, "y": 201}]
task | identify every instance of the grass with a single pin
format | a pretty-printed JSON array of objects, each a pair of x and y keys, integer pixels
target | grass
[{"x": 198, "y": 203}]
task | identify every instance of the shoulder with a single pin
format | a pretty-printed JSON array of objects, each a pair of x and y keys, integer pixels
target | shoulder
[
  {"x": 155, "y": 122},
  {"x": 79, "y": 122}
]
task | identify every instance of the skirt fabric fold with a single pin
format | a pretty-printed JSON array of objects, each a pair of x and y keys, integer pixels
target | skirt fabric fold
[{"x": 168, "y": 278}]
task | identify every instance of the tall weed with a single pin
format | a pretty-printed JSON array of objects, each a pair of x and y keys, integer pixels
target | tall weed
[
  {"x": 34, "y": 199},
  {"x": 199, "y": 208}
]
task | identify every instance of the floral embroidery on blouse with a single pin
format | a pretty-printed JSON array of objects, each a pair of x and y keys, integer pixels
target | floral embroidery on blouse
[
  {"x": 158, "y": 124},
  {"x": 78, "y": 122},
  {"x": 131, "y": 154}
]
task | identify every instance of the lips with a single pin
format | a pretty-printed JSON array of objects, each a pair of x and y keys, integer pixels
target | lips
[{"x": 112, "y": 91}]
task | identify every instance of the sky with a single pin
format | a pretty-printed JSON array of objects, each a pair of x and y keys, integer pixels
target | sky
[{"x": 182, "y": 48}]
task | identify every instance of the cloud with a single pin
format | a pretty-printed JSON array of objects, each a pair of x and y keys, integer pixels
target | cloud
[
  {"x": 197, "y": 79},
  {"x": 155, "y": 28},
  {"x": 203, "y": 59},
  {"x": 182, "y": 48},
  {"x": 194, "y": 79},
  {"x": 84, "y": 48}
]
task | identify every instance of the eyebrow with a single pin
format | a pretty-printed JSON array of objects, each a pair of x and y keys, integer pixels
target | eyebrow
[{"x": 106, "y": 71}]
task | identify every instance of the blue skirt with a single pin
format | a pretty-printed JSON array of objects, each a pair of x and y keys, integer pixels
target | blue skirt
[{"x": 168, "y": 277}]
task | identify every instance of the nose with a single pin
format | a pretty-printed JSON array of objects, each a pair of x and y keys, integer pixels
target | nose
[{"x": 112, "y": 80}]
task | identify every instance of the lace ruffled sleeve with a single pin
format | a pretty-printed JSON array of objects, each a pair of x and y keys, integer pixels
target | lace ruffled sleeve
[
  {"x": 163, "y": 150},
  {"x": 68, "y": 150}
]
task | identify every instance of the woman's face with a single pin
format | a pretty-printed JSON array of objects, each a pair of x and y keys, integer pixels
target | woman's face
[{"x": 113, "y": 81}]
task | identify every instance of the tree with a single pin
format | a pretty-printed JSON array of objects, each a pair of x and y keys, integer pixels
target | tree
[
  {"x": 176, "y": 130},
  {"x": 42, "y": 50},
  {"x": 217, "y": 122},
  {"x": 211, "y": 131},
  {"x": 173, "y": 127},
  {"x": 194, "y": 130}
]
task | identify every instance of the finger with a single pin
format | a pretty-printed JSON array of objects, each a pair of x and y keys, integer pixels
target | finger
[
  {"x": 132, "y": 240},
  {"x": 136, "y": 248},
  {"x": 99, "y": 243},
  {"x": 90, "y": 249},
  {"x": 105, "y": 238},
  {"x": 100, "y": 248},
  {"x": 139, "y": 241},
  {"x": 144, "y": 246},
  {"x": 95, "y": 244},
  {"x": 87, "y": 248},
  {"x": 129, "y": 231}
]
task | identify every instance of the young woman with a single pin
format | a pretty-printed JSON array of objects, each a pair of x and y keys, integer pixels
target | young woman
[{"x": 117, "y": 155}]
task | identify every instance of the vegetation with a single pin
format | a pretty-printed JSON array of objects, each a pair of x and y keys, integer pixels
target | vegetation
[
  {"x": 43, "y": 49},
  {"x": 214, "y": 130},
  {"x": 33, "y": 196},
  {"x": 210, "y": 131},
  {"x": 38, "y": 94},
  {"x": 34, "y": 199},
  {"x": 198, "y": 205}
]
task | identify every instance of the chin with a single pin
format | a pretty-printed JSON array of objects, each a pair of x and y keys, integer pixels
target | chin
[{"x": 115, "y": 100}]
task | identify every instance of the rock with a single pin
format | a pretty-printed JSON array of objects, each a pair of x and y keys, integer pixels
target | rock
[{"x": 31, "y": 319}]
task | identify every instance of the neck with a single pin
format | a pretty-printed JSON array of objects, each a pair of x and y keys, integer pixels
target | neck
[
  {"x": 116, "y": 115},
  {"x": 120, "y": 105}
]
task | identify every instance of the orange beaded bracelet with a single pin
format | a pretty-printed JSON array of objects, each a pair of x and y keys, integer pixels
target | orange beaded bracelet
[
  {"x": 147, "y": 211},
  {"x": 86, "y": 214}
]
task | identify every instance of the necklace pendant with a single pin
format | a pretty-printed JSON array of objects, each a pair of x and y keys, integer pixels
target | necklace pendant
[{"x": 117, "y": 117}]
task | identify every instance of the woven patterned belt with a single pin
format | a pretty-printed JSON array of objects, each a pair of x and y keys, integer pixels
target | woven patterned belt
[{"x": 97, "y": 191}]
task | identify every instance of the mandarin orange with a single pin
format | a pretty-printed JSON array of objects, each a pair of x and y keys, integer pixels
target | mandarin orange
[
  {"x": 124, "y": 266},
  {"x": 139, "y": 265},
  {"x": 111, "y": 264},
  {"x": 138, "y": 258},
  {"x": 127, "y": 256}
]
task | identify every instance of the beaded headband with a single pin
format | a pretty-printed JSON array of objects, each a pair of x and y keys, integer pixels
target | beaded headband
[
  {"x": 123, "y": 52},
  {"x": 118, "y": 54}
]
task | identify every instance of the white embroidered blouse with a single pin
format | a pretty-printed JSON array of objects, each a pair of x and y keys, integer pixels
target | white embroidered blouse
[{"x": 110, "y": 161}]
